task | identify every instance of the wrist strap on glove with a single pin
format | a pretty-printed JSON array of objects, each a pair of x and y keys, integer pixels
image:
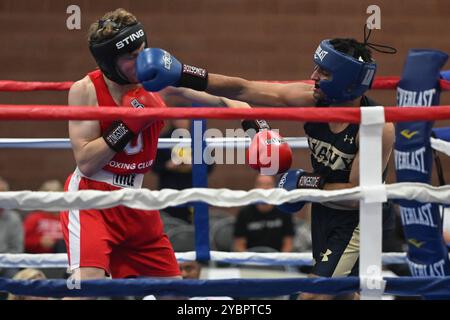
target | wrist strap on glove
[
  {"x": 118, "y": 135},
  {"x": 251, "y": 127},
  {"x": 194, "y": 78},
  {"x": 311, "y": 181}
]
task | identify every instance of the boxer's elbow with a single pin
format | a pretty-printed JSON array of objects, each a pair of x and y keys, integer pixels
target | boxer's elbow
[
  {"x": 87, "y": 169},
  {"x": 88, "y": 166},
  {"x": 92, "y": 156}
]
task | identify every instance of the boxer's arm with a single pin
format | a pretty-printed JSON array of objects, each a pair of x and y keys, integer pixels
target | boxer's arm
[
  {"x": 284, "y": 159},
  {"x": 288, "y": 244},
  {"x": 185, "y": 97},
  {"x": 90, "y": 149},
  {"x": 157, "y": 69},
  {"x": 387, "y": 145},
  {"x": 261, "y": 93},
  {"x": 240, "y": 244}
]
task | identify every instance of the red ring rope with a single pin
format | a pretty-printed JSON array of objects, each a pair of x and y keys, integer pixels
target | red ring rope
[
  {"x": 314, "y": 114},
  {"x": 10, "y": 85},
  {"x": 380, "y": 83}
]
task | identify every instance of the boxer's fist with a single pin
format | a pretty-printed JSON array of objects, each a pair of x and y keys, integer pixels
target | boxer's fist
[
  {"x": 298, "y": 179},
  {"x": 289, "y": 181},
  {"x": 268, "y": 153},
  {"x": 157, "y": 69}
]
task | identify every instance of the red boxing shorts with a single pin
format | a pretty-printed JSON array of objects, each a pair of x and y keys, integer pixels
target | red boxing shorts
[{"x": 122, "y": 241}]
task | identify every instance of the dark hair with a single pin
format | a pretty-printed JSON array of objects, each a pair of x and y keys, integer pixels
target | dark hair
[{"x": 352, "y": 48}]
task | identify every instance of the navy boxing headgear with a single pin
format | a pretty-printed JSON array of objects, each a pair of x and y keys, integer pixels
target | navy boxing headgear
[
  {"x": 350, "y": 77},
  {"x": 106, "y": 52}
]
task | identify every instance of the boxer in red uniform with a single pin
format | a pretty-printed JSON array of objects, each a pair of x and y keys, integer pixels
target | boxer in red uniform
[{"x": 121, "y": 242}]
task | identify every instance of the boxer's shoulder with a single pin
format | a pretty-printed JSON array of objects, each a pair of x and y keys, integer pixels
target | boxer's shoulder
[{"x": 82, "y": 92}]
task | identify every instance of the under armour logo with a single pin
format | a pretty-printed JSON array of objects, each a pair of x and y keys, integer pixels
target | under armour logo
[
  {"x": 325, "y": 255},
  {"x": 348, "y": 139}
]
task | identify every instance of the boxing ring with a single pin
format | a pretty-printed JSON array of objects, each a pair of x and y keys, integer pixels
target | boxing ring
[{"x": 371, "y": 194}]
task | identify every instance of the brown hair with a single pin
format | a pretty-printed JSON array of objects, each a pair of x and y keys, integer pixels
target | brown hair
[
  {"x": 26, "y": 274},
  {"x": 110, "y": 24}
]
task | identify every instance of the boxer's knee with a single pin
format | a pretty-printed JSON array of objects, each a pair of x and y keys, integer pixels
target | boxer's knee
[
  {"x": 314, "y": 296},
  {"x": 74, "y": 281},
  {"x": 88, "y": 273}
]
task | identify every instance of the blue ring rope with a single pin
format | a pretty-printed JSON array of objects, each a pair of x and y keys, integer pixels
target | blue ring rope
[{"x": 438, "y": 287}]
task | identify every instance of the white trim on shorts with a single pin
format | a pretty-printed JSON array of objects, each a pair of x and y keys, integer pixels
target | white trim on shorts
[
  {"x": 122, "y": 181},
  {"x": 74, "y": 226}
]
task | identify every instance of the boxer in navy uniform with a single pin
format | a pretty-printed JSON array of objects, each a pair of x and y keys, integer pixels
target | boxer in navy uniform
[{"x": 343, "y": 72}]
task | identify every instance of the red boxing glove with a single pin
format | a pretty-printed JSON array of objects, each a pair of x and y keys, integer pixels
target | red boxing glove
[
  {"x": 269, "y": 154},
  {"x": 120, "y": 133},
  {"x": 139, "y": 98}
]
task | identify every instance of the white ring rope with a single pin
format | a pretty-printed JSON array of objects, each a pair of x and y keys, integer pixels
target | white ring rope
[
  {"x": 168, "y": 143},
  {"x": 440, "y": 145},
  {"x": 163, "y": 143},
  {"x": 153, "y": 200},
  {"x": 59, "y": 260},
  {"x": 371, "y": 194}
]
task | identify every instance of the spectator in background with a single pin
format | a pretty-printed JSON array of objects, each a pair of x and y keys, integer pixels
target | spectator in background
[
  {"x": 11, "y": 232},
  {"x": 302, "y": 223},
  {"x": 263, "y": 225},
  {"x": 174, "y": 168},
  {"x": 190, "y": 269},
  {"x": 43, "y": 232},
  {"x": 28, "y": 274}
]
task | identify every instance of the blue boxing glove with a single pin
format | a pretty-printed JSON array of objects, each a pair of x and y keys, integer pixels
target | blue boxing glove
[
  {"x": 157, "y": 69},
  {"x": 298, "y": 179},
  {"x": 445, "y": 75}
]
